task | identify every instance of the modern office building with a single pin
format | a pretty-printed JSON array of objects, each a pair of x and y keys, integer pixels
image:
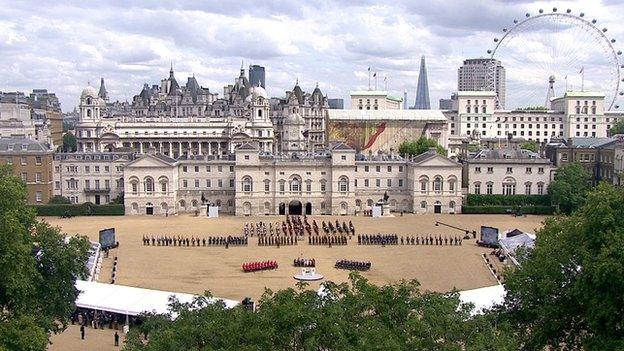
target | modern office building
[
  {"x": 335, "y": 103},
  {"x": 257, "y": 76},
  {"x": 422, "y": 89},
  {"x": 483, "y": 74}
]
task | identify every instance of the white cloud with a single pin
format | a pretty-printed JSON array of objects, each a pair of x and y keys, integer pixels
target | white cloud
[{"x": 63, "y": 45}]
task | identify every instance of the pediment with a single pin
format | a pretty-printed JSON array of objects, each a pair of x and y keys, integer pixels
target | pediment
[
  {"x": 438, "y": 161},
  {"x": 149, "y": 161}
]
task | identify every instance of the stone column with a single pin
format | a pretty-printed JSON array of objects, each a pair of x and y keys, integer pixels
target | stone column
[
  {"x": 170, "y": 150},
  {"x": 179, "y": 148},
  {"x": 199, "y": 147},
  {"x": 140, "y": 147}
]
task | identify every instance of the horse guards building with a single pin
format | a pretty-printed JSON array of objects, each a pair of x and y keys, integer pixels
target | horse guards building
[{"x": 177, "y": 147}]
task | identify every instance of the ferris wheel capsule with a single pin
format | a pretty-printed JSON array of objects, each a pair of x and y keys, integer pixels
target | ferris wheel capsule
[
  {"x": 604, "y": 30},
  {"x": 496, "y": 40},
  {"x": 612, "y": 40},
  {"x": 504, "y": 29},
  {"x": 528, "y": 14},
  {"x": 582, "y": 14},
  {"x": 619, "y": 52},
  {"x": 568, "y": 10},
  {"x": 621, "y": 93},
  {"x": 489, "y": 51},
  {"x": 554, "y": 9},
  {"x": 541, "y": 10},
  {"x": 515, "y": 21},
  {"x": 594, "y": 21}
]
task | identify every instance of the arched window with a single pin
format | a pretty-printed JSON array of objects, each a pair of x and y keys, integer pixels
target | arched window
[
  {"x": 423, "y": 204},
  {"x": 247, "y": 184},
  {"x": 343, "y": 184},
  {"x": 89, "y": 113},
  {"x": 477, "y": 188},
  {"x": 135, "y": 208},
  {"x": 369, "y": 203},
  {"x": 437, "y": 185},
  {"x": 259, "y": 113},
  {"x": 424, "y": 185},
  {"x": 163, "y": 184},
  {"x": 295, "y": 185},
  {"x": 89, "y": 101},
  {"x": 452, "y": 182},
  {"x": 247, "y": 208},
  {"x": 194, "y": 204},
  {"x": 134, "y": 186},
  {"x": 323, "y": 185},
  {"x": 148, "y": 185},
  {"x": 509, "y": 186},
  {"x": 182, "y": 204},
  {"x": 452, "y": 206}
]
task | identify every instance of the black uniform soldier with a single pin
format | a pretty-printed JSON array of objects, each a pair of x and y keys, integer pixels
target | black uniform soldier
[
  {"x": 116, "y": 339},
  {"x": 82, "y": 332}
]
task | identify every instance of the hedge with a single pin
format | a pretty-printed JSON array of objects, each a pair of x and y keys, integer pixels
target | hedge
[
  {"x": 508, "y": 200},
  {"x": 85, "y": 209},
  {"x": 530, "y": 209}
]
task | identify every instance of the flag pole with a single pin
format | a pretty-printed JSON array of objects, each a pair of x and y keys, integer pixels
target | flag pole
[{"x": 369, "y": 80}]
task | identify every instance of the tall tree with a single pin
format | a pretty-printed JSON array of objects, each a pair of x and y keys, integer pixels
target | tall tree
[
  {"x": 568, "y": 292},
  {"x": 351, "y": 316},
  {"x": 530, "y": 145},
  {"x": 618, "y": 127},
  {"x": 38, "y": 269},
  {"x": 569, "y": 187},
  {"x": 69, "y": 142},
  {"x": 422, "y": 145}
]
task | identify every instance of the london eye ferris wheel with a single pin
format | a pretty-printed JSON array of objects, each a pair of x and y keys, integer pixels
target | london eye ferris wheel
[{"x": 553, "y": 52}]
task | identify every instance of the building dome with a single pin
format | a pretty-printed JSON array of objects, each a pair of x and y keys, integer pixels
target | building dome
[
  {"x": 89, "y": 91},
  {"x": 255, "y": 92}
]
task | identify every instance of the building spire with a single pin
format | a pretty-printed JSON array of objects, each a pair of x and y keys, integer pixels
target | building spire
[
  {"x": 422, "y": 89},
  {"x": 551, "y": 91},
  {"x": 103, "y": 93}
]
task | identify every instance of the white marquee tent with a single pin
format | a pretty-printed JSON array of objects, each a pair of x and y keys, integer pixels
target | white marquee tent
[{"x": 129, "y": 300}]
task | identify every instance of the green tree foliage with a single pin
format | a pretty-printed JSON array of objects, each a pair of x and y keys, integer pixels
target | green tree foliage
[
  {"x": 618, "y": 128},
  {"x": 570, "y": 186},
  {"x": 530, "y": 145},
  {"x": 352, "y": 316},
  {"x": 568, "y": 292},
  {"x": 58, "y": 199},
  {"x": 69, "y": 142},
  {"x": 37, "y": 291},
  {"x": 422, "y": 145}
]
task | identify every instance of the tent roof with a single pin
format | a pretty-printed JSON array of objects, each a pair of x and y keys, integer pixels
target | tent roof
[
  {"x": 483, "y": 298},
  {"x": 129, "y": 300},
  {"x": 511, "y": 244}
]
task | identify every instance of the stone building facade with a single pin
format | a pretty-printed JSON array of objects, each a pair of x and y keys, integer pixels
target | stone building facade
[{"x": 30, "y": 160}]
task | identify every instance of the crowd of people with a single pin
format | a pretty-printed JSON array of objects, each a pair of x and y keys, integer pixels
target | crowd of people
[
  {"x": 330, "y": 228},
  {"x": 327, "y": 240},
  {"x": 352, "y": 265},
  {"x": 304, "y": 262},
  {"x": 277, "y": 240},
  {"x": 259, "y": 266},
  {"x": 379, "y": 239},
  {"x": 166, "y": 240}
]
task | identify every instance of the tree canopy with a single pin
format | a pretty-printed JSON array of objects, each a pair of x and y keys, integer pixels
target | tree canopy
[
  {"x": 618, "y": 127},
  {"x": 352, "y": 316},
  {"x": 530, "y": 145},
  {"x": 569, "y": 187},
  {"x": 422, "y": 145},
  {"x": 38, "y": 270},
  {"x": 69, "y": 142},
  {"x": 568, "y": 292},
  {"x": 58, "y": 199}
]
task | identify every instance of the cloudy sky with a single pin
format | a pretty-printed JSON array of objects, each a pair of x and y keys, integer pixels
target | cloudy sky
[{"x": 63, "y": 45}]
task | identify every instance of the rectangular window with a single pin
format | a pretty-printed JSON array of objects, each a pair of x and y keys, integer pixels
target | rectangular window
[
  {"x": 477, "y": 188},
  {"x": 38, "y": 160},
  {"x": 38, "y": 196},
  {"x": 400, "y": 168},
  {"x": 220, "y": 183},
  {"x": 377, "y": 169},
  {"x": 57, "y": 185},
  {"x": 197, "y": 183},
  {"x": 389, "y": 183},
  {"x": 540, "y": 189},
  {"x": 97, "y": 169},
  {"x": 389, "y": 168},
  {"x": 509, "y": 170},
  {"x": 490, "y": 170},
  {"x": 231, "y": 183},
  {"x": 400, "y": 183},
  {"x": 97, "y": 183},
  {"x": 527, "y": 189},
  {"x": 38, "y": 177},
  {"x": 207, "y": 183},
  {"x": 378, "y": 182},
  {"x": 207, "y": 168},
  {"x": 366, "y": 183},
  {"x": 185, "y": 183},
  {"x": 106, "y": 169},
  {"x": 23, "y": 160},
  {"x": 220, "y": 168},
  {"x": 267, "y": 187},
  {"x": 488, "y": 188},
  {"x": 365, "y": 168},
  {"x": 343, "y": 157},
  {"x": 196, "y": 169},
  {"x": 231, "y": 168},
  {"x": 308, "y": 187},
  {"x": 477, "y": 169},
  {"x": 24, "y": 176},
  {"x": 282, "y": 185},
  {"x": 529, "y": 170},
  {"x": 87, "y": 184},
  {"x": 540, "y": 170}
]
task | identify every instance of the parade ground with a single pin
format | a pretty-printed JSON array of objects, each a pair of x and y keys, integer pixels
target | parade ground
[{"x": 218, "y": 270}]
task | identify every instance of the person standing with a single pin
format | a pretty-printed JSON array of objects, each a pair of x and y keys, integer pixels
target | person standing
[
  {"x": 82, "y": 332},
  {"x": 116, "y": 339}
]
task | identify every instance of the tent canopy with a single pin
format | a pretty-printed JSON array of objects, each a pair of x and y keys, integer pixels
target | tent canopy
[
  {"x": 130, "y": 300},
  {"x": 483, "y": 298}
]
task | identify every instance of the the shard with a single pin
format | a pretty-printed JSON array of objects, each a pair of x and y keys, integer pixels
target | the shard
[{"x": 422, "y": 90}]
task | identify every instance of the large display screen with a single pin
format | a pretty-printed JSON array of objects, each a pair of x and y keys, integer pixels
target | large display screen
[
  {"x": 489, "y": 235},
  {"x": 107, "y": 238}
]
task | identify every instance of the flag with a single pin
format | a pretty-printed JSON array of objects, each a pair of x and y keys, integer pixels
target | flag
[
  {"x": 369, "y": 68},
  {"x": 582, "y": 69},
  {"x": 374, "y": 74}
]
